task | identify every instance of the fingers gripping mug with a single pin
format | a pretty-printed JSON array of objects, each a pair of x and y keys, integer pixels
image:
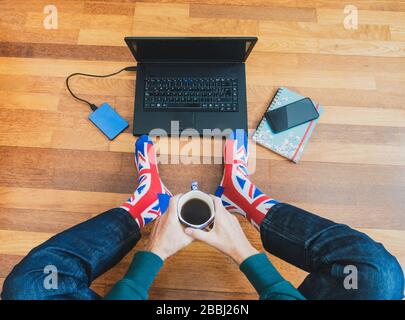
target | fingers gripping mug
[{"x": 195, "y": 208}]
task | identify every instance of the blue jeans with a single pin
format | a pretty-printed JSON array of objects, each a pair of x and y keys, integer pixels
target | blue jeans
[{"x": 316, "y": 245}]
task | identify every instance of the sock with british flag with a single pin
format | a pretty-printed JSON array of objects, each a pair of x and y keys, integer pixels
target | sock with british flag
[
  {"x": 237, "y": 192},
  {"x": 151, "y": 198}
]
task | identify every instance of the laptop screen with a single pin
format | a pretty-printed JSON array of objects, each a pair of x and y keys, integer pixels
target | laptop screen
[{"x": 214, "y": 49}]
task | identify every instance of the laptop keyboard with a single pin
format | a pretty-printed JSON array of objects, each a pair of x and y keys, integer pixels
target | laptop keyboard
[{"x": 191, "y": 94}]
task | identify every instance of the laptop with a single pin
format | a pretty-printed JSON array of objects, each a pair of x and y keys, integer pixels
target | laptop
[{"x": 188, "y": 85}]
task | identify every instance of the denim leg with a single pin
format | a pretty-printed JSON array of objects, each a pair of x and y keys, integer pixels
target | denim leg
[
  {"x": 328, "y": 251},
  {"x": 79, "y": 254}
]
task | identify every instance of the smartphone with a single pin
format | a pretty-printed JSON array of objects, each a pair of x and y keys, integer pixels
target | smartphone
[{"x": 291, "y": 115}]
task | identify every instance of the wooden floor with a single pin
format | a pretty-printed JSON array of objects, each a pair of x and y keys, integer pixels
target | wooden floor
[{"x": 57, "y": 170}]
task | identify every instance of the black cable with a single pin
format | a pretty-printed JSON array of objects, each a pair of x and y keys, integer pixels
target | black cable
[{"x": 92, "y": 105}]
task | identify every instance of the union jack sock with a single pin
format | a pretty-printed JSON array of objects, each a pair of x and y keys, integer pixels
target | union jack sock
[
  {"x": 237, "y": 192},
  {"x": 151, "y": 198}
]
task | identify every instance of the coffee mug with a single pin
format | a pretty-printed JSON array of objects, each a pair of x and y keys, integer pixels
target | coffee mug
[{"x": 195, "y": 208}]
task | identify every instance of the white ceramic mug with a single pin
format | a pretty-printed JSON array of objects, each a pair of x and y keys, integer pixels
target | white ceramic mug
[{"x": 196, "y": 194}]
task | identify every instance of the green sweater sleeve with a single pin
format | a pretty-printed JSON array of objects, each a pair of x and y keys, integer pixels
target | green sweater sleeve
[
  {"x": 269, "y": 284},
  {"x": 136, "y": 283}
]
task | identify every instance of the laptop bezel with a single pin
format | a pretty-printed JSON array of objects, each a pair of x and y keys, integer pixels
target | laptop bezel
[{"x": 130, "y": 40}]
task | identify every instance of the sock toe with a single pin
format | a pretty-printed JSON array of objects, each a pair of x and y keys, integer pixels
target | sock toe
[
  {"x": 164, "y": 200},
  {"x": 139, "y": 143}
]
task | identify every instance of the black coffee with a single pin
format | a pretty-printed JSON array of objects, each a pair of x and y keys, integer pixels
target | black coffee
[{"x": 195, "y": 211}]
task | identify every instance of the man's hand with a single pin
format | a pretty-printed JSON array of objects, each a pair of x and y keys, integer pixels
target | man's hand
[
  {"x": 167, "y": 235},
  {"x": 226, "y": 235}
]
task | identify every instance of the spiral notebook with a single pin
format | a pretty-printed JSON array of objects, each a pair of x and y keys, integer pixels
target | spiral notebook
[{"x": 289, "y": 143}]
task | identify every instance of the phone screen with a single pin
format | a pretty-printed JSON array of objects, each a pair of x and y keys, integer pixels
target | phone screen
[{"x": 291, "y": 115}]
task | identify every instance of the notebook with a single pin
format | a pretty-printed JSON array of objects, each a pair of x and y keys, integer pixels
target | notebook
[{"x": 289, "y": 143}]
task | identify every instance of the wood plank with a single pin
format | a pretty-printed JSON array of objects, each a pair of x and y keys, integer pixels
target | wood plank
[
  {"x": 326, "y": 16},
  {"x": 260, "y": 96},
  {"x": 108, "y": 22},
  {"x": 89, "y": 139},
  {"x": 331, "y": 151},
  {"x": 102, "y": 37},
  {"x": 60, "y": 68},
  {"x": 359, "y": 116},
  {"x": 284, "y": 178},
  {"x": 54, "y": 169},
  {"x": 360, "y": 134},
  {"x": 38, "y": 35},
  {"x": 39, "y": 220},
  {"x": 253, "y": 12},
  {"x": 12, "y": 22},
  {"x": 397, "y": 33},
  {"x": 63, "y": 51},
  {"x": 315, "y": 30},
  {"x": 67, "y": 6},
  {"x": 304, "y": 62},
  {"x": 36, "y": 120},
  {"x": 67, "y": 21},
  {"x": 108, "y": 8},
  {"x": 18, "y": 26},
  {"x": 59, "y": 200},
  {"x": 34, "y": 139},
  {"x": 391, "y": 5},
  {"x": 150, "y": 9},
  {"x": 28, "y": 84},
  {"x": 7, "y": 263},
  {"x": 354, "y": 153},
  {"x": 339, "y": 192},
  {"x": 32, "y": 101},
  {"x": 364, "y": 116},
  {"x": 175, "y": 26},
  {"x": 314, "y": 78},
  {"x": 57, "y": 169},
  {"x": 388, "y": 83},
  {"x": 341, "y": 97},
  {"x": 20, "y": 242},
  {"x": 332, "y": 46},
  {"x": 103, "y": 22},
  {"x": 77, "y": 134}
]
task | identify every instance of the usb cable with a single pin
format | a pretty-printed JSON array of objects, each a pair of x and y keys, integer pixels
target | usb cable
[{"x": 92, "y": 105}]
